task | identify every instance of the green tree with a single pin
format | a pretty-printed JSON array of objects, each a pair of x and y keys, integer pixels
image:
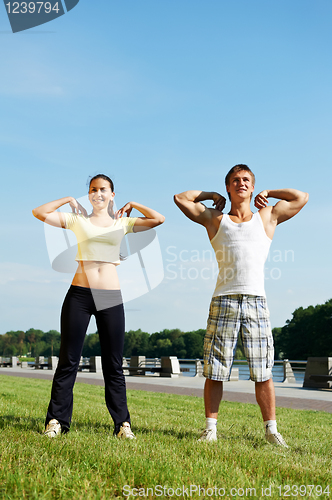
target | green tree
[
  {"x": 7, "y": 348},
  {"x": 21, "y": 339},
  {"x": 164, "y": 347},
  {"x": 52, "y": 339},
  {"x": 239, "y": 351},
  {"x": 40, "y": 348},
  {"x": 91, "y": 345},
  {"x": 179, "y": 347},
  {"x": 277, "y": 339},
  {"x": 194, "y": 345},
  {"x": 308, "y": 333},
  {"x": 136, "y": 343},
  {"x": 34, "y": 336}
]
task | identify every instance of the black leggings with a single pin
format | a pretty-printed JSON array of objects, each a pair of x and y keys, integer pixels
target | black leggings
[{"x": 78, "y": 307}]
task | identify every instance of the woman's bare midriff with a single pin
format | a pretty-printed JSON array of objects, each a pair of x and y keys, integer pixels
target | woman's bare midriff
[{"x": 93, "y": 274}]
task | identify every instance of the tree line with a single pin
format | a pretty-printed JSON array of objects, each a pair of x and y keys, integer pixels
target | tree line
[
  {"x": 30, "y": 343},
  {"x": 308, "y": 333},
  {"x": 175, "y": 342}
]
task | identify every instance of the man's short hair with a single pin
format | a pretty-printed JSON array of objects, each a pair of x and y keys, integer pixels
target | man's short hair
[{"x": 234, "y": 170}]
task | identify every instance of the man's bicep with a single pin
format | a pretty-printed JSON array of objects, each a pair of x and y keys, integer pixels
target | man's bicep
[
  {"x": 197, "y": 212},
  {"x": 285, "y": 210}
]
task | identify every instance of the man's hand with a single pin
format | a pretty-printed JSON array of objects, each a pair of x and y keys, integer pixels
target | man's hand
[
  {"x": 219, "y": 201},
  {"x": 291, "y": 202},
  {"x": 261, "y": 200},
  {"x": 189, "y": 202}
]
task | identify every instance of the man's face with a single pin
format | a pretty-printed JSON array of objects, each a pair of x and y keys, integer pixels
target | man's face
[{"x": 240, "y": 185}]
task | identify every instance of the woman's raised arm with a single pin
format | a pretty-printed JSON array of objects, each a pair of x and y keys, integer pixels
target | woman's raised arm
[
  {"x": 151, "y": 217},
  {"x": 48, "y": 212}
]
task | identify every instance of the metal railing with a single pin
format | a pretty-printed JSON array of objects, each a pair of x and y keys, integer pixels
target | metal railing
[{"x": 284, "y": 370}]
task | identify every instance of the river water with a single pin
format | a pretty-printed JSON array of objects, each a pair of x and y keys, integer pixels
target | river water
[{"x": 277, "y": 372}]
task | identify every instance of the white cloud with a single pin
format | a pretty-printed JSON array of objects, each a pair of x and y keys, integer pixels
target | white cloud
[{"x": 11, "y": 272}]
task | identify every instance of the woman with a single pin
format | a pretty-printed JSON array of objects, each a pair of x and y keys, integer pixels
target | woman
[{"x": 95, "y": 290}]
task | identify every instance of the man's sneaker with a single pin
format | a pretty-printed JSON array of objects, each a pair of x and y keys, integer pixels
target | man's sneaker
[
  {"x": 125, "y": 432},
  {"x": 53, "y": 429},
  {"x": 276, "y": 439},
  {"x": 209, "y": 435}
]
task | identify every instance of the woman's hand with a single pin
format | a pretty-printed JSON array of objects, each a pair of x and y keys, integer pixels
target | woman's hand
[
  {"x": 77, "y": 207},
  {"x": 261, "y": 200},
  {"x": 126, "y": 209},
  {"x": 151, "y": 217}
]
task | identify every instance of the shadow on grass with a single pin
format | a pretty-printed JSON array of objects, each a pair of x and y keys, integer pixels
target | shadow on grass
[
  {"x": 107, "y": 428},
  {"x": 92, "y": 426},
  {"x": 23, "y": 423},
  {"x": 37, "y": 424},
  {"x": 246, "y": 437},
  {"x": 168, "y": 432}
]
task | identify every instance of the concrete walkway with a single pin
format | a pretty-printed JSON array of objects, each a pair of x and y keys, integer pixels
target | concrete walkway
[{"x": 243, "y": 391}]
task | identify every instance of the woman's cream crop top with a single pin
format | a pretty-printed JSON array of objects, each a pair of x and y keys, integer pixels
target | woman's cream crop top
[{"x": 96, "y": 243}]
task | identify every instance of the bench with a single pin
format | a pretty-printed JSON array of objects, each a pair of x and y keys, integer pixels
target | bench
[
  {"x": 84, "y": 367},
  {"x": 41, "y": 366},
  {"x": 168, "y": 366},
  {"x": 318, "y": 373},
  {"x": 320, "y": 378},
  {"x": 9, "y": 362},
  {"x": 40, "y": 363},
  {"x": 153, "y": 369}
]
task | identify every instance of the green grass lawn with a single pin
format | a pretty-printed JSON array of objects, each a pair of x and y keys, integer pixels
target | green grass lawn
[{"x": 166, "y": 460}]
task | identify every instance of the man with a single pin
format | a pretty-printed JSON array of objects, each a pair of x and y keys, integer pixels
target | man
[{"x": 241, "y": 242}]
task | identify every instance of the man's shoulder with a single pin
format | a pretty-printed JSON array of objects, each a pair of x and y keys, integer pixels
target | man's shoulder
[
  {"x": 269, "y": 223},
  {"x": 215, "y": 214},
  {"x": 265, "y": 213},
  {"x": 213, "y": 224}
]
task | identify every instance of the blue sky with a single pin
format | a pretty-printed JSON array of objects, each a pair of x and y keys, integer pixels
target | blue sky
[{"x": 166, "y": 96}]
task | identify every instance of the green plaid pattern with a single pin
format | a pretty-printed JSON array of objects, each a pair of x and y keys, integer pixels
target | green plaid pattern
[{"x": 230, "y": 315}]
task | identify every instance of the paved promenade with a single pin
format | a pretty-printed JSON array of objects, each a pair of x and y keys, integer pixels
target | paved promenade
[{"x": 243, "y": 391}]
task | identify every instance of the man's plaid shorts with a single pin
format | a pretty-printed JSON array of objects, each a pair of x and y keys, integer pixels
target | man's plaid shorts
[{"x": 230, "y": 315}]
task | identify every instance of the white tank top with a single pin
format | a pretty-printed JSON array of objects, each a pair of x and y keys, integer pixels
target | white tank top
[{"x": 241, "y": 251}]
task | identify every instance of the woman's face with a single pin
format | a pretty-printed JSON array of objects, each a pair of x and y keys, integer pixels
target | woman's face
[{"x": 100, "y": 193}]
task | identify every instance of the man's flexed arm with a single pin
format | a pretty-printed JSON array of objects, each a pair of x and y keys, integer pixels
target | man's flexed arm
[
  {"x": 291, "y": 202},
  {"x": 189, "y": 202}
]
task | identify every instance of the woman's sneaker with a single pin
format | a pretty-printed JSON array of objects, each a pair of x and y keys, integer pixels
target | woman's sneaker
[
  {"x": 209, "y": 435},
  {"x": 53, "y": 429},
  {"x": 125, "y": 432}
]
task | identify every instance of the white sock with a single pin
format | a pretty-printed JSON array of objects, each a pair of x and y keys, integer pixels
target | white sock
[
  {"x": 270, "y": 426},
  {"x": 211, "y": 423}
]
